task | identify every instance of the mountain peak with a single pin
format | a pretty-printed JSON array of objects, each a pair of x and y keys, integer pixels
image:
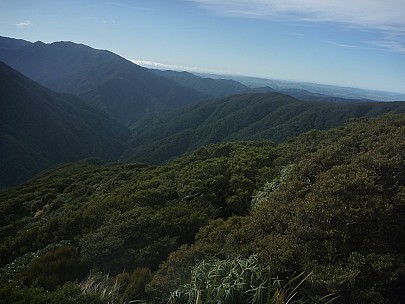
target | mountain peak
[{"x": 106, "y": 81}]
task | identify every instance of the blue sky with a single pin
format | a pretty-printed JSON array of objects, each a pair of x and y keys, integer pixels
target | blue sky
[{"x": 356, "y": 43}]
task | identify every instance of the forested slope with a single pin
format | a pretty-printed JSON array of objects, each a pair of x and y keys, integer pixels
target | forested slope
[
  {"x": 329, "y": 204},
  {"x": 267, "y": 116},
  {"x": 215, "y": 88}
]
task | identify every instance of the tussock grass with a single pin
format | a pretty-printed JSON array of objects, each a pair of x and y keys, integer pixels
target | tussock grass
[
  {"x": 102, "y": 286},
  {"x": 237, "y": 281}
]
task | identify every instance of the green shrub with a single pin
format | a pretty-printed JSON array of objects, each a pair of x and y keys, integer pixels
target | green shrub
[
  {"x": 67, "y": 294},
  {"x": 55, "y": 268}
]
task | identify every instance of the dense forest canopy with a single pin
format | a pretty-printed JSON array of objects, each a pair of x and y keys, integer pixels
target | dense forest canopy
[
  {"x": 329, "y": 204},
  {"x": 266, "y": 116},
  {"x": 120, "y": 111}
]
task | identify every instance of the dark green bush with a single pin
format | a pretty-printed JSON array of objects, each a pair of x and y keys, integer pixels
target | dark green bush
[
  {"x": 55, "y": 268},
  {"x": 68, "y": 294}
]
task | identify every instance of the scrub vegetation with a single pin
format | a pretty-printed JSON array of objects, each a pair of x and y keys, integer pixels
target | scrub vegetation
[{"x": 316, "y": 219}]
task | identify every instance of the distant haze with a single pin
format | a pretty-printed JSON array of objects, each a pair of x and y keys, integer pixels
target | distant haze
[{"x": 277, "y": 84}]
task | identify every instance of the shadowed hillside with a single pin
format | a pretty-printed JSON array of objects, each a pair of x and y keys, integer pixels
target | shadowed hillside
[
  {"x": 39, "y": 128},
  {"x": 270, "y": 116}
]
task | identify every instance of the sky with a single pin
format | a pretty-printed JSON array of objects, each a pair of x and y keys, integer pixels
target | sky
[{"x": 354, "y": 43}]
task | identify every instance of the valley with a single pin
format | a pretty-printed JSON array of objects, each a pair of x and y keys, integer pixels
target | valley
[{"x": 122, "y": 184}]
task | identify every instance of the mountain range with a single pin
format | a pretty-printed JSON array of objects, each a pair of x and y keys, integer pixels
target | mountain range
[
  {"x": 111, "y": 108},
  {"x": 218, "y": 87},
  {"x": 120, "y": 184},
  {"x": 312, "y": 88},
  {"x": 120, "y": 88}
]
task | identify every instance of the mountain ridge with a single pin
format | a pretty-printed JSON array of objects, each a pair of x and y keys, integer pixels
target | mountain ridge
[
  {"x": 254, "y": 116},
  {"x": 215, "y": 88},
  {"x": 222, "y": 85},
  {"x": 105, "y": 80}
]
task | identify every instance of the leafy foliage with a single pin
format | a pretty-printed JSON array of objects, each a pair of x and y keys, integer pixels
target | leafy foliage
[
  {"x": 233, "y": 281},
  {"x": 67, "y": 294},
  {"x": 126, "y": 217},
  {"x": 328, "y": 203},
  {"x": 341, "y": 213},
  {"x": 55, "y": 268},
  {"x": 336, "y": 212}
]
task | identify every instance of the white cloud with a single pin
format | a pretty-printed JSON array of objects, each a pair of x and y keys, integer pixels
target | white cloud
[
  {"x": 388, "y": 45},
  {"x": 375, "y": 14},
  {"x": 25, "y": 23},
  {"x": 386, "y": 17},
  {"x": 343, "y": 45}
]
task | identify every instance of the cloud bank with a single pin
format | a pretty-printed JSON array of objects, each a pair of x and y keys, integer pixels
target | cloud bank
[
  {"x": 164, "y": 66},
  {"x": 158, "y": 65}
]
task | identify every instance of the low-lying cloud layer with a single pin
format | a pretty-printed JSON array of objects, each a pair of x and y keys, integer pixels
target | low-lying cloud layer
[{"x": 165, "y": 66}]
